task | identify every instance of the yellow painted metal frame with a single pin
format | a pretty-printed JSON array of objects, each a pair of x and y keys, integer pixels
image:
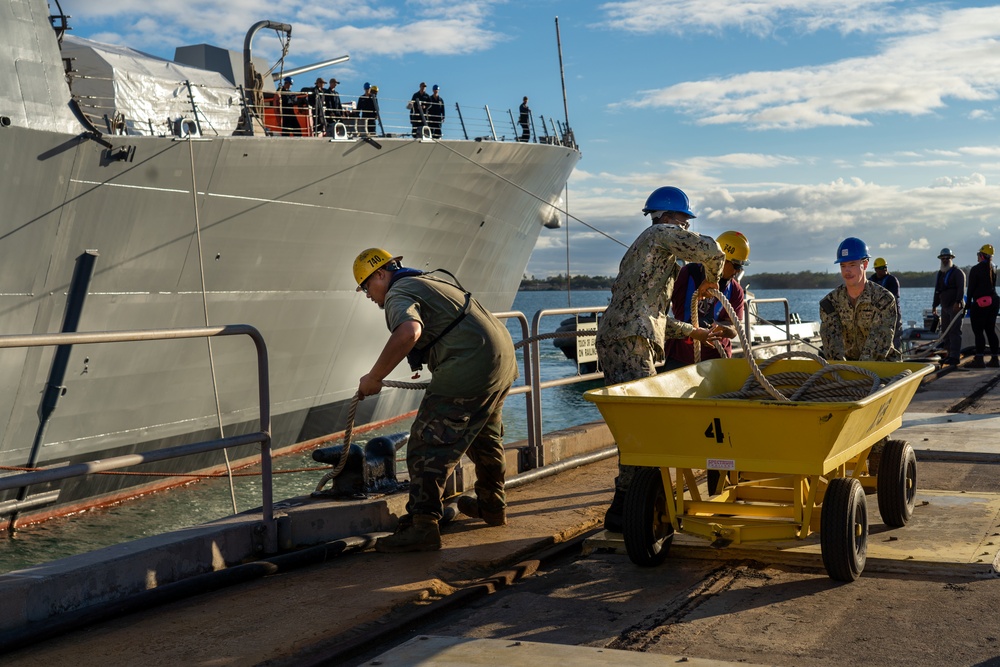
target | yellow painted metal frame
[{"x": 779, "y": 456}]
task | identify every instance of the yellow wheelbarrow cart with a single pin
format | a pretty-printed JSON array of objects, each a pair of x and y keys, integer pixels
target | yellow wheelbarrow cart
[{"x": 788, "y": 468}]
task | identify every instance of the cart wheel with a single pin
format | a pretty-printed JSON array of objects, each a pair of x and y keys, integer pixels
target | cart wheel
[
  {"x": 897, "y": 483},
  {"x": 843, "y": 529},
  {"x": 645, "y": 529}
]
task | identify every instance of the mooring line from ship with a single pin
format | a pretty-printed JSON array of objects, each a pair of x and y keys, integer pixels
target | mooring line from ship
[
  {"x": 204, "y": 300},
  {"x": 532, "y": 194}
]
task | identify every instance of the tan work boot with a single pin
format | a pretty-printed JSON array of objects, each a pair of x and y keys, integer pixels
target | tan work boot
[
  {"x": 469, "y": 506},
  {"x": 422, "y": 535}
]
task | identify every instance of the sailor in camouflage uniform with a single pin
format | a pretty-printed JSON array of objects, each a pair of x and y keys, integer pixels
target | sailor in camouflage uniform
[
  {"x": 633, "y": 329},
  {"x": 471, "y": 356},
  {"x": 858, "y": 318}
]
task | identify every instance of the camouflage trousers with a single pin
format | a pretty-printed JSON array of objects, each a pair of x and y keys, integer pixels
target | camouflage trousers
[
  {"x": 623, "y": 360},
  {"x": 445, "y": 428}
]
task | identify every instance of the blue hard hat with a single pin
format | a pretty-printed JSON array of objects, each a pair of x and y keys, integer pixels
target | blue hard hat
[
  {"x": 288, "y": 79},
  {"x": 436, "y": 87},
  {"x": 851, "y": 249},
  {"x": 367, "y": 85},
  {"x": 668, "y": 198}
]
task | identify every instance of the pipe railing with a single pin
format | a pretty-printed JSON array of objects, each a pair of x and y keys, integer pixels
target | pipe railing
[
  {"x": 537, "y": 452},
  {"x": 61, "y": 471},
  {"x": 751, "y": 312}
]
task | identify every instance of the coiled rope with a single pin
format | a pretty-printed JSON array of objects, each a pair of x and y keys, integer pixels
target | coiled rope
[{"x": 799, "y": 386}]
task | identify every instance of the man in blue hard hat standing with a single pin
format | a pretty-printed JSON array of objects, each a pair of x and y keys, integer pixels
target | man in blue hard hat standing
[
  {"x": 632, "y": 332},
  {"x": 858, "y": 318},
  {"x": 949, "y": 291}
]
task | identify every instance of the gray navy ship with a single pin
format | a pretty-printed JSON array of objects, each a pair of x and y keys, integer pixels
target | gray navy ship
[{"x": 140, "y": 193}]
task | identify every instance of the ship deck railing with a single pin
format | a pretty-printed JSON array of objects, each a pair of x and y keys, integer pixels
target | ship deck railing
[{"x": 471, "y": 123}]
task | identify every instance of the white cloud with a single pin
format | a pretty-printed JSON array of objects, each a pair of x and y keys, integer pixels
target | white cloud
[
  {"x": 791, "y": 227},
  {"x": 325, "y": 30},
  {"x": 760, "y": 17},
  {"x": 954, "y": 57}
]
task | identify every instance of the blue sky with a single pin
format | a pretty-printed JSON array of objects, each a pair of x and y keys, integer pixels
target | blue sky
[{"x": 797, "y": 122}]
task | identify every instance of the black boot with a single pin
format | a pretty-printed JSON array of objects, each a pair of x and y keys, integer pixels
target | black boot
[{"x": 613, "y": 517}]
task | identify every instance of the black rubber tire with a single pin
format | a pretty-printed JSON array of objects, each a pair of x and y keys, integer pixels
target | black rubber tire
[
  {"x": 646, "y": 531},
  {"x": 897, "y": 483},
  {"x": 843, "y": 529}
]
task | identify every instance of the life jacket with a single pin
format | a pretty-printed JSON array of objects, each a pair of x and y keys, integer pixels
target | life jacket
[{"x": 696, "y": 275}]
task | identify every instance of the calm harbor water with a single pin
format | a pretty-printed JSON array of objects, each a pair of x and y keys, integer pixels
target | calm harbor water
[{"x": 207, "y": 500}]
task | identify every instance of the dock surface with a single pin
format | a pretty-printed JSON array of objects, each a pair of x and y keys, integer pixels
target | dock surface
[{"x": 928, "y": 594}]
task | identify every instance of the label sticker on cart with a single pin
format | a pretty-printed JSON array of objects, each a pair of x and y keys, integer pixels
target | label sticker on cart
[{"x": 721, "y": 464}]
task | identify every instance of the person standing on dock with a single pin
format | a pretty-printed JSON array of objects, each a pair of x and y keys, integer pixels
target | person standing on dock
[
  {"x": 948, "y": 292},
  {"x": 984, "y": 305},
  {"x": 858, "y": 318},
  {"x": 633, "y": 330},
  {"x": 679, "y": 352},
  {"x": 471, "y": 356},
  {"x": 891, "y": 283}
]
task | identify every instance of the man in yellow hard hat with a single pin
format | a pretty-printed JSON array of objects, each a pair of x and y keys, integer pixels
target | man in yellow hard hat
[
  {"x": 983, "y": 306},
  {"x": 711, "y": 313},
  {"x": 891, "y": 283},
  {"x": 471, "y": 357}
]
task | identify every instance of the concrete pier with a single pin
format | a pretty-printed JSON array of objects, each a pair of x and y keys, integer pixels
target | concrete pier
[{"x": 285, "y": 614}]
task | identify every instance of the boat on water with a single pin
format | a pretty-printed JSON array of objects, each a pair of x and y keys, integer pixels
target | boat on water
[{"x": 140, "y": 193}]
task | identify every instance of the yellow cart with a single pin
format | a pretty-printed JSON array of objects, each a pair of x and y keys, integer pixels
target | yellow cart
[{"x": 788, "y": 469}]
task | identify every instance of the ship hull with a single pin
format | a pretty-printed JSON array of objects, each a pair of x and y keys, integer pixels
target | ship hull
[{"x": 250, "y": 230}]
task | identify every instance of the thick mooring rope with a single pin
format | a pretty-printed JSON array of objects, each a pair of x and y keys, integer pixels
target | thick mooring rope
[{"x": 815, "y": 387}]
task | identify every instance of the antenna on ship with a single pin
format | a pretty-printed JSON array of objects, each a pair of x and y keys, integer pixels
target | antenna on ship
[{"x": 567, "y": 140}]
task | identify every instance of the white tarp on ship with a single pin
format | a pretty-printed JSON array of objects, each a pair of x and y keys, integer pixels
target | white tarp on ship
[{"x": 149, "y": 92}]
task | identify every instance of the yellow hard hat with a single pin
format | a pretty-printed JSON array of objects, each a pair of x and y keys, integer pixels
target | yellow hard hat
[
  {"x": 369, "y": 261},
  {"x": 880, "y": 263},
  {"x": 987, "y": 249},
  {"x": 736, "y": 247},
  {"x": 374, "y": 89}
]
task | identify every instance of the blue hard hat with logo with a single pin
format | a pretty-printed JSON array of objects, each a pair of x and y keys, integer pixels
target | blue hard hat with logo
[
  {"x": 668, "y": 198},
  {"x": 288, "y": 79},
  {"x": 851, "y": 249}
]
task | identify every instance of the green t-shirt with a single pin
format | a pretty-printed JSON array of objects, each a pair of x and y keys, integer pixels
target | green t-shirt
[{"x": 473, "y": 359}]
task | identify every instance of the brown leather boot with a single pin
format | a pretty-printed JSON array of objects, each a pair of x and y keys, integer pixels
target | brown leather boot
[
  {"x": 469, "y": 506},
  {"x": 422, "y": 535}
]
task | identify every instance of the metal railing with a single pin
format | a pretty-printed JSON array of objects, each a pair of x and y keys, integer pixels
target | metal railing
[
  {"x": 263, "y": 436},
  {"x": 537, "y": 451},
  {"x": 750, "y": 313}
]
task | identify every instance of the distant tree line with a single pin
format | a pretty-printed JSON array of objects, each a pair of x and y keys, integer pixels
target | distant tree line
[{"x": 800, "y": 280}]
